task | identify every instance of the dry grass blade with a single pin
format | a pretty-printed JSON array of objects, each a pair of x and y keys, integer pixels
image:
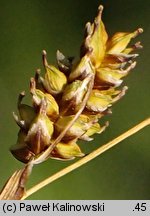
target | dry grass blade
[{"x": 15, "y": 186}]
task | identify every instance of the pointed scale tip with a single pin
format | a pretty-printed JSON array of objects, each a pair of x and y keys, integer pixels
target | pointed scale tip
[
  {"x": 121, "y": 94},
  {"x": 32, "y": 80},
  {"x": 137, "y": 45},
  {"x": 132, "y": 66},
  {"x": 99, "y": 16},
  {"x": 38, "y": 71},
  {"x": 100, "y": 8},
  {"x": 20, "y": 97},
  {"x": 22, "y": 93},
  {"x": 125, "y": 88},
  {"x": 88, "y": 29},
  {"x": 32, "y": 85},
  {"x": 15, "y": 116},
  {"x": 44, "y": 52},
  {"x": 103, "y": 128},
  {"x": 140, "y": 30},
  {"x": 107, "y": 123},
  {"x": 58, "y": 53},
  {"x": 37, "y": 74},
  {"x": 44, "y": 55}
]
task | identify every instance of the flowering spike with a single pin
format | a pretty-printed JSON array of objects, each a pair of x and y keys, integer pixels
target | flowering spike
[{"x": 71, "y": 99}]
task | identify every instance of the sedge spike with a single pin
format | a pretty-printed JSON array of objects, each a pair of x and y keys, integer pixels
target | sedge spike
[{"x": 69, "y": 100}]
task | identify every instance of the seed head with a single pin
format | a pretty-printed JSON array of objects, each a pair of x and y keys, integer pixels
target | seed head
[{"x": 77, "y": 93}]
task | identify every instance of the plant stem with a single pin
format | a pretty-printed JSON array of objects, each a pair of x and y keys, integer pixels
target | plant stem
[{"x": 87, "y": 158}]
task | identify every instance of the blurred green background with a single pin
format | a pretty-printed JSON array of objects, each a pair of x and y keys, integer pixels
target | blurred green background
[{"x": 28, "y": 27}]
